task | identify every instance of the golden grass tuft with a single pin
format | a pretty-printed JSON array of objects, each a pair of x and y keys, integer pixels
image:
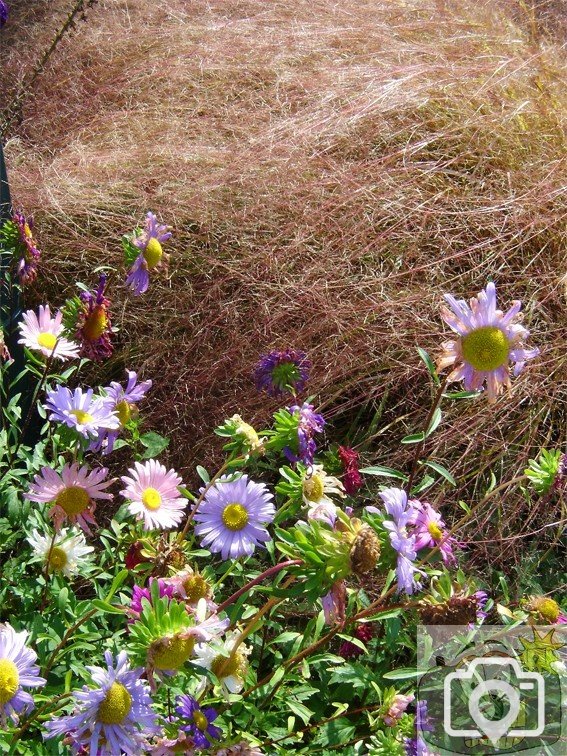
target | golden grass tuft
[{"x": 330, "y": 169}]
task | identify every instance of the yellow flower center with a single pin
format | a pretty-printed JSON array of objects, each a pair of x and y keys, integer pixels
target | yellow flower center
[
  {"x": 486, "y": 348},
  {"x": 153, "y": 253},
  {"x": 151, "y": 499},
  {"x": 124, "y": 412},
  {"x": 96, "y": 324},
  {"x": 27, "y": 231},
  {"x": 200, "y": 720},
  {"x": 548, "y": 609},
  {"x": 435, "y": 531},
  {"x": 234, "y": 516},
  {"x": 172, "y": 653},
  {"x": 196, "y": 587},
  {"x": 9, "y": 680},
  {"x": 224, "y": 666},
  {"x": 82, "y": 417},
  {"x": 73, "y": 500},
  {"x": 116, "y": 705},
  {"x": 47, "y": 340},
  {"x": 313, "y": 488},
  {"x": 57, "y": 559}
]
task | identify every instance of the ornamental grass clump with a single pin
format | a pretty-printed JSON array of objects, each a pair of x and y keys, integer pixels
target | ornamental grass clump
[{"x": 264, "y": 606}]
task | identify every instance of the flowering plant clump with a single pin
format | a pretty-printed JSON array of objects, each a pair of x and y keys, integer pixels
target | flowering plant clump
[{"x": 265, "y": 607}]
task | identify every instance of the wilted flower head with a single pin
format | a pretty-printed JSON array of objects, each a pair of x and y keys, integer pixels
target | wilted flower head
[
  {"x": 26, "y": 247},
  {"x": 151, "y": 255},
  {"x": 334, "y": 603},
  {"x": 80, "y": 410},
  {"x": 4, "y": 353},
  {"x": 488, "y": 342},
  {"x": 352, "y": 478},
  {"x": 65, "y": 553},
  {"x": 546, "y": 610},
  {"x": 71, "y": 492},
  {"x": 227, "y": 660},
  {"x": 116, "y": 716},
  {"x": 282, "y": 372},
  {"x": 232, "y": 517},
  {"x": 123, "y": 403},
  {"x": 309, "y": 423},
  {"x": 396, "y": 708},
  {"x": 153, "y": 494},
  {"x": 44, "y": 334},
  {"x": 17, "y": 669},
  {"x": 191, "y": 586},
  {"x": 94, "y": 330}
]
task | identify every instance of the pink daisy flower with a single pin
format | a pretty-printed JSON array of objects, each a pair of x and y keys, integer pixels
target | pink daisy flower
[
  {"x": 153, "y": 495},
  {"x": 44, "y": 334},
  {"x": 430, "y": 531},
  {"x": 489, "y": 342},
  {"x": 72, "y": 493}
]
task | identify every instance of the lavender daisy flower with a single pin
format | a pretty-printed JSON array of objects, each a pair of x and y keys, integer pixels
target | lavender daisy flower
[
  {"x": 282, "y": 372},
  {"x": 26, "y": 247},
  {"x": 113, "y": 718},
  {"x": 151, "y": 256},
  {"x": 232, "y": 516},
  {"x": 430, "y": 532},
  {"x": 403, "y": 513},
  {"x": 17, "y": 668},
  {"x": 153, "y": 494},
  {"x": 200, "y": 721},
  {"x": 123, "y": 402},
  {"x": 309, "y": 423},
  {"x": 488, "y": 343},
  {"x": 71, "y": 492},
  {"x": 93, "y": 327},
  {"x": 80, "y": 411}
]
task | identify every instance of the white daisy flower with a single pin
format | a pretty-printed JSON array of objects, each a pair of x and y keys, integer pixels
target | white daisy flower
[
  {"x": 66, "y": 554},
  {"x": 44, "y": 334},
  {"x": 315, "y": 487}
]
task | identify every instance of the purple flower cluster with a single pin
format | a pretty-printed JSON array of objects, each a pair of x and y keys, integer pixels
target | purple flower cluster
[
  {"x": 282, "y": 372},
  {"x": 309, "y": 423},
  {"x": 144, "y": 593},
  {"x": 30, "y": 254}
]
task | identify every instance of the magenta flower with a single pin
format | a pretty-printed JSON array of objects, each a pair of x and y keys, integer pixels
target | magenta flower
[
  {"x": 233, "y": 515},
  {"x": 488, "y": 343},
  {"x": 138, "y": 594},
  {"x": 151, "y": 255}
]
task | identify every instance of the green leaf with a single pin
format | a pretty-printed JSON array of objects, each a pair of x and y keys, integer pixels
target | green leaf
[
  {"x": 302, "y": 711},
  {"x": 383, "y": 472},
  {"x": 429, "y": 364},
  {"x": 404, "y": 673},
  {"x": 413, "y": 438},
  {"x": 203, "y": 474},
  {"x": 107, "y": 608},
  {"x": 116, "y": 583},
  {"x": 154, "y": 444},
  {"x": 435, "y": 420},
  {"x": 442, "y": 471}
]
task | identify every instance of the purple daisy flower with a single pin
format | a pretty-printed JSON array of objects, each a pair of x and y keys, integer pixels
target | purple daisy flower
[
  {"x": 430, "y": 532},
  {"x": 123, "y": 402},
  {"x": 309, "y": 423},
  {"x": 282, "y": 372},
  {"x": 232, "y": 516},
  {"x": 80, "y": 411},
  {"x": 151, "y": 256},
  {"x": 17, "y": 668},
  {"x": 488, "y": 343},
  {"x": 93, "y": 327},
  {"x": 116, "y": 717},
  {"x": 200, "y": 720}
]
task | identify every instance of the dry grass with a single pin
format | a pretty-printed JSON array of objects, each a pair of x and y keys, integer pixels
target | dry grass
[{"x": 329, "y": 169}]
